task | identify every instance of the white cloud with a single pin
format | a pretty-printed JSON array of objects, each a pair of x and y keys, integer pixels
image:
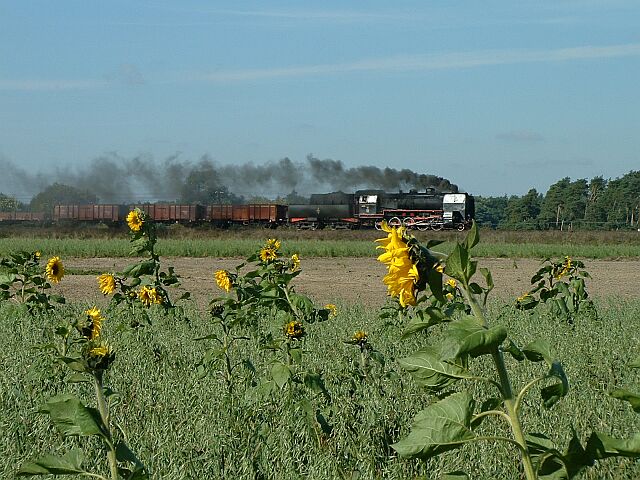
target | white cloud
[
  {"x": 399, "y": 63},
  {"x": 443, "y": 61}
]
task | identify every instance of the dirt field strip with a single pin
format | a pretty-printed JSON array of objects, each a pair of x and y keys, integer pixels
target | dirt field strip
[{"x": 349, "y": 280}]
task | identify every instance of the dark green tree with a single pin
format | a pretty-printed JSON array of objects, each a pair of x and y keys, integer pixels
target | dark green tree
[
  {"x": 576, "y": 200},
  {"x": 491, "y": 211},
  {"x": 621, "y": 201},
  {"x": 204, "y": 185},
  {"x": 9, "y": 203},
  {"x": 60, "y": 194},
  {"x": 522, "y": 212},
  {"x": 595, "y": 212},
  {"x": 552, "y": 210}
]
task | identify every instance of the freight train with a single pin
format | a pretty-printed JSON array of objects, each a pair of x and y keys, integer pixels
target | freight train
[{"x": 425, "y": 210}]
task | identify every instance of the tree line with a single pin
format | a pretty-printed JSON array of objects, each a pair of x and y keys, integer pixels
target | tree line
[{"x": 597, "y": 204}]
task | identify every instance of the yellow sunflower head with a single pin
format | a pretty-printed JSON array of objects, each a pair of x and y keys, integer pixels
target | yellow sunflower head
[
  {"x": 135, "y": 220},
  {"x": 93, "y": 327},
  {"x": 294, "y": 330},
  {"x": 36, "y": 256},
  {"x": 223, "y": 280},
  {"x": 107, "y": 283},
  {"x": 402, "y": 277},
  {"x": 360, "y": 337},
  {"x": 295, "y": 262},
  {"x": 333, "y": 310},
  {"x": 273, "y": 243},
  {"x": 268, "y": 254},
  {"x": 99, "y": 355},
  {"x": 452, "y": 283},
  {"x": 149, "y": 295},
  {"x": 54, "y": 269}
]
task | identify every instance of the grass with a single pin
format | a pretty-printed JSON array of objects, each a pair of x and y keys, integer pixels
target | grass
[
  {"x": 183, "y": 426},
  {"x": 308, "y": 244}
]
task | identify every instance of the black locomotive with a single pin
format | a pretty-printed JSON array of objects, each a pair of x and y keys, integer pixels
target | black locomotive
[{"x": 427, "y": 210}]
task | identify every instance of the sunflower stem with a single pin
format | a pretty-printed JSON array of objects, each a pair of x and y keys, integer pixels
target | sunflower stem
[
  {"x": 103, "y": 408},
  {"x": 509, "y": 400}
]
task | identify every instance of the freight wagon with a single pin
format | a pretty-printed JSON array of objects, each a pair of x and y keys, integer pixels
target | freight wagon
[
  {"x": 267, "y": 215},
  {"x": 19, "y": 217},
  {"x": 105, "y": 213}
]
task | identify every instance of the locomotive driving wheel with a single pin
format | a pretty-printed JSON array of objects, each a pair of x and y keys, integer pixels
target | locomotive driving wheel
[
  {"x": 395, "y": 222},
  {"x": 409, "y": 222}
]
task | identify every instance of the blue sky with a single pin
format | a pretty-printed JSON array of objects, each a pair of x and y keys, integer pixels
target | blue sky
[{"x": 496, "y": 96}]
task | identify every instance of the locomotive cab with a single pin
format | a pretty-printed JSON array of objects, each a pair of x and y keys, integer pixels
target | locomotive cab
[
  {"x": 454, "y": 206},
  {"x": 367, "y": 204}
]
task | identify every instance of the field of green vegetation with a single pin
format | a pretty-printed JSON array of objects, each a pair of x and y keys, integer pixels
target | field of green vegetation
[
  {"x": 184, "y": 425},
  {"x": 266, "y": 385},
  {"x": 178, "y": 241}
]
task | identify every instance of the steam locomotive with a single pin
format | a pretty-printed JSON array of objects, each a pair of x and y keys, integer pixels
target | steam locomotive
[
  {"x": 428, "y": 210},
  {"x": 425, "y": 210}
]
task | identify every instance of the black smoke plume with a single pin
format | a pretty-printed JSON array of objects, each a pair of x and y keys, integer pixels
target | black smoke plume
[{"x": 115, "y": 179}]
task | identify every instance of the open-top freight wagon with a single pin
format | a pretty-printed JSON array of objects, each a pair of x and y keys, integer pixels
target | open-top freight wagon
[
  {"x": 21, "y": 217},
  {"x": 105, "y": 213},
  {"x": 267, "y": 215}
]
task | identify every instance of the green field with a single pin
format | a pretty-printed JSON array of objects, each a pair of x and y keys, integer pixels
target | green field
[
  {"x": 186, "y": 427},
  {"x": 184, "y": 422},
  {"x": 177, "y": 241}
]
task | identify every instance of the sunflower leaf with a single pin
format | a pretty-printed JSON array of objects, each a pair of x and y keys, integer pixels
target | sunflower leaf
[
  {"x": 442, "y": 426},
  {"x": 72, "y": 417},
  {"x": 70, "y": 462},
  {"x": 429, "y": 371}
]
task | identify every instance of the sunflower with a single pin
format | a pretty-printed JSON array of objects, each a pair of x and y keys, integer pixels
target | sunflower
[
  {"x": 333, "y": 310},
  {"x": 36, "y": 256},
  {"x": 294, "y": 330},
  {"x": 295, "y": 262},
  {"x": 135, "y": 220},
  {"x": 99, "y": 355},
  {"x": 566, "y": 268},
  {"x": 54, "y": 270},
  {"x": 452, "y": 283},
  {"x": 149, "y": 295},
  {"x": 360, "y": 337},
  {"x": 223, "y": 280},
  {"x": 107, "y": 283},
  {"x": 401, "y": 279},
  {"x": 402, "y": 275},
  {"x": 92, "y": 330},
  {"x": 273, "y": 243},
  {"x": 268, "y": 254}
]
